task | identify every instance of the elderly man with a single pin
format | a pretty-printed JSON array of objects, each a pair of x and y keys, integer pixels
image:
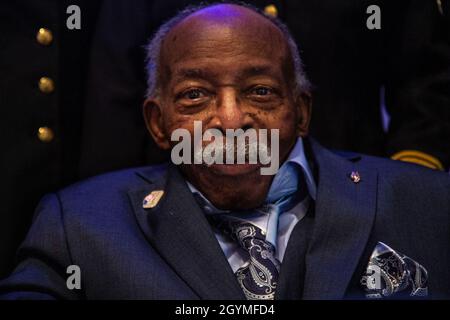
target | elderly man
[{"x": 324, "y": 226}]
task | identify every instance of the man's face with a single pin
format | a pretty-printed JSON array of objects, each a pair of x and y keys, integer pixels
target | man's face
[{"x": 230, "y": 69}]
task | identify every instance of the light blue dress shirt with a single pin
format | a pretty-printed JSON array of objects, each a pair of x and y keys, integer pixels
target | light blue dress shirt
[{"x": 276, "y": 228}]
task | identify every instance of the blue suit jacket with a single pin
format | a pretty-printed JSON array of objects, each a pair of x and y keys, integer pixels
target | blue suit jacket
[{"x": 170, "y": 251}]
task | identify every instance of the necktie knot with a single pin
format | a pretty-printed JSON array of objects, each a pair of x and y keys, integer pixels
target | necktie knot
[{"x": 249, "y": 236}]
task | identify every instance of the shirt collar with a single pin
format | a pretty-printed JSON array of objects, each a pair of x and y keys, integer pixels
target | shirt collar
[{"x": 298, "y": 157}]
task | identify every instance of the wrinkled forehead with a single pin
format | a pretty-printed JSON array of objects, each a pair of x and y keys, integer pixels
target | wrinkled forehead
[{"x": 222, "y": 35}]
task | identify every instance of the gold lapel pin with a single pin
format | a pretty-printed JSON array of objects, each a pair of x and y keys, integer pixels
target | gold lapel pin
[
  {"x": 355, "y": 177},
  {"x": 152, "y": 199}
]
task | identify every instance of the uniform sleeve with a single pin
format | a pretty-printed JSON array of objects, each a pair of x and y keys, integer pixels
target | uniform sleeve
[
  {"x": 418, "y": 94},
  {"x": 42, "y": 259}
]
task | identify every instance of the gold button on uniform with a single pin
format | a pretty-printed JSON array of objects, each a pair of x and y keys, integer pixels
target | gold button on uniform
[
  {"x": 271, "y": 10},
  {"x": 46, "y": 85},
  {"x": 45, "y": 134},
  {"x": 44, "y": 37}
]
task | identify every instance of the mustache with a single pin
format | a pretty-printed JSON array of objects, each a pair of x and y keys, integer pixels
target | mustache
[{"x": 230, "y": 151}]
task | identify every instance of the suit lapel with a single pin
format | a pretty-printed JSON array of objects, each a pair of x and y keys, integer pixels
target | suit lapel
[
  {"x": 344, "y": 216},
  {"x": 179, "y": 231}
]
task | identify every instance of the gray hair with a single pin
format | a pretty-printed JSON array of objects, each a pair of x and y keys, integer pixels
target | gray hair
[{"x": 153, "y": 48}]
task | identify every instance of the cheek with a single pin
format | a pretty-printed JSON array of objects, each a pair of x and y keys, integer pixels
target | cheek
[
  {"x": 283, "y": 119},
  {"x": 173, "y": 121},
  {"x": 180, "y": 123},
  {"x": 288, "y": 132}
]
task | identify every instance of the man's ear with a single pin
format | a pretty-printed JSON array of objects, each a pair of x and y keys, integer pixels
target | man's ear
[
  {"x": 154, "y": 122},
  {"x": 304, "y": 107}
]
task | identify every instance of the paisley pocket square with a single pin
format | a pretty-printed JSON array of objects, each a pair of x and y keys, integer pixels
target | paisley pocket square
[{"x": 391, "y": 274}]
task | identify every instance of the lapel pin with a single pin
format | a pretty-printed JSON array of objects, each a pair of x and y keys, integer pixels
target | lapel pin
[
  {"x": 152, "y": 199},
  {"x": 355, "y": 177}
]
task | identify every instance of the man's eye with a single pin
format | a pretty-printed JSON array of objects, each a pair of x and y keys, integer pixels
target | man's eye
[
  {"x": 193, "y": 94},
  {"x": 262, "y": 91}
]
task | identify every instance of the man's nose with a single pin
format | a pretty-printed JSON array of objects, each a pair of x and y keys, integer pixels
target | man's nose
[{"x": 229, "y": 112}]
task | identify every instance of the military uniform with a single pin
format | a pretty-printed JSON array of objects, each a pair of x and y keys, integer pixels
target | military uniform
[{"x": 41, "y": 105}]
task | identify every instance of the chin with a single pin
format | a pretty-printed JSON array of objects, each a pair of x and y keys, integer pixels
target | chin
[
  {"x": 234, "y": 170},
  {"x": 233, "y": 187},
  {"x": 243, "y": 193}
]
